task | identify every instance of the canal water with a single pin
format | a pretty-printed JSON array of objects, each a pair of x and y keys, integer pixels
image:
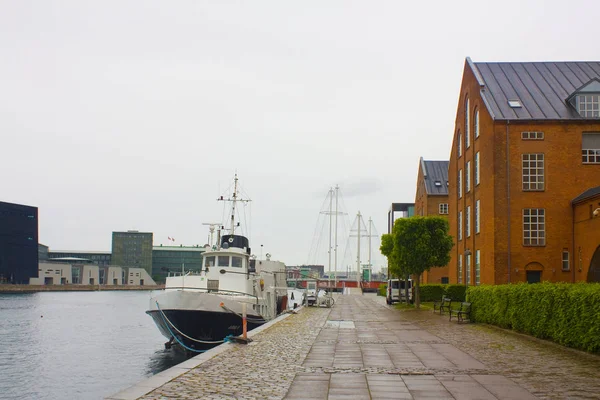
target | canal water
[{"x": 78, "y": 345}]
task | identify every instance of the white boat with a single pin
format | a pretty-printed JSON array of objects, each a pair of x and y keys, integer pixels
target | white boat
[{"x": 200, "y": 310}]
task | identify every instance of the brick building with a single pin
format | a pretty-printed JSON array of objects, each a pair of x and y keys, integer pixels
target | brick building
[
  {"x": 526, "y": 147},
  {"x": 432, "y": 199}
]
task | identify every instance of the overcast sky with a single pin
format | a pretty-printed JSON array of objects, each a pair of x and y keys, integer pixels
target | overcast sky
[{"x": 119, "y": 115}]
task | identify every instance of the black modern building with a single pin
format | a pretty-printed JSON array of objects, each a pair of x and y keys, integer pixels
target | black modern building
[{"x": 18, "y": 243}]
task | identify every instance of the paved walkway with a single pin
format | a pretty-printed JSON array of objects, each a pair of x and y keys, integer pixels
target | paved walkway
[{"x": 363, "y": 349}]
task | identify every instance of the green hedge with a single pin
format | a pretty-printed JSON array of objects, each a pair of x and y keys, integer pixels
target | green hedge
[
  {"x": 563, "y": 312},
  {"x": 434, "y": 292},
  {"x": 381, "y": 291}
]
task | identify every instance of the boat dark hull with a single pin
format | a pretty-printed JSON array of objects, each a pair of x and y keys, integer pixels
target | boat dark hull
[{"x": 201, "y": 325}]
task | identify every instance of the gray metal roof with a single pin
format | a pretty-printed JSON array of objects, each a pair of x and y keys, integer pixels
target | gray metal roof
[
  {"x": 435, "y": 171},
  {"x": 595, "y": 191},
  {"x": 542, "y": 88}
]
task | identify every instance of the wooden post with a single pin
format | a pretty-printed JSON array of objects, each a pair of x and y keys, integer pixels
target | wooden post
[{"x": 244, "y": 323}]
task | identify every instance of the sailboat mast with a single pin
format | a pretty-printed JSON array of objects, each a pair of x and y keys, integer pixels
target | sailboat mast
[
  {"x": 370, "y": 223},
  {"x": 337, "y": 189},
  {"x": 330, "y": 224},
  {"x": 358, "y": 251}
]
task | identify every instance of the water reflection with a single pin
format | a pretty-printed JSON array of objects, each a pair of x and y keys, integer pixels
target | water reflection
[{"x": 165, "y": 359}]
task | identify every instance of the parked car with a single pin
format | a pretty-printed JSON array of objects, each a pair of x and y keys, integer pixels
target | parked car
[{"x": 396, "y": 291}]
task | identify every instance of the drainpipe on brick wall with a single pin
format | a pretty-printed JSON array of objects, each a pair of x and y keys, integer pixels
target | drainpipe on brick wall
[
  {"x": 573, "y": 242},
  {"x": 508, "y": 198}
]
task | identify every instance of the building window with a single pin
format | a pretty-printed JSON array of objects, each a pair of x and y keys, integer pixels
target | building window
[
  {"x": 565, "y": 260},
  {"x": 468, "y": 224},
  {"x": 588, "y": 105},
  {"x": 590, "y": 148},
  {"x": 460, "y": 268},
  {"x": 534, "y": 227},
  {"x": 467, "y": 123},
  {"x": 477, "y": 216},
  {"x": 468, "y": 268},
  {"x": 468, "y": 178},
  {"x": 459, "y": 144},
  {"x": 476, "y": 123},
  {"x": 460, "y": 225},
  {"x": 532, "y": 135},
  {"x": 460, "y": 189},
  {"x": 477, "y": 267},
  {"x": 476, "y": 172},
  {"x": 443, "y": 208},
  {"x": 533, "y": 172}
]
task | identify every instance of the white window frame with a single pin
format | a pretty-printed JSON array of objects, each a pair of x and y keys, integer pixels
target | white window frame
[
  {"x": 459, "y": 141},
  {"x": 590, "y": 156},
  {"x": 476, "y": 123},
  {"x": 460, "y": 275},
  {"x": 588, "y": 105},
  {"x": 443, "y": 208},
  {"x": 468, "y": 177},
  {"x": 468, "y": 222},
  {"x": 468, "y": 268},
  {"x": 460, "y": 228},
  {"x": 460, "y": 183},
  {"x": 533, "y": 172},
  {"x": 566, "y": 265},
  {"x": 477, "y": 267},
  {"x": 532, "y": 135},
  {"x": 476, "y": 166},
  {"x": 477, "y": 216},
  {"x": 467, "y": 123},
  {"x": 534, "y": 227}
]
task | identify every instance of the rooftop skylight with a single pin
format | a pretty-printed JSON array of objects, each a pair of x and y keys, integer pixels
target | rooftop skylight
[{"x": 514, "y": 104}]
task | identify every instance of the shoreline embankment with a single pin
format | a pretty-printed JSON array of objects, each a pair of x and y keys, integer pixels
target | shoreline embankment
[{"x": 73, "y": 288}]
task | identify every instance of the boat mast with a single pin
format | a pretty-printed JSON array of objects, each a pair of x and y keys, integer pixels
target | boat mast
[
  {"x": 234, "y": 200},
  {"x": 358, "y": 250},
  {"x": 330, "y": 223},
  {"x": 370, "y": 223},
  {"x": 337, "y": 189}
]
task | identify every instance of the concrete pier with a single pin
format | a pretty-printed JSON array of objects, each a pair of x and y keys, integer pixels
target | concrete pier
[{"x": 363, "y": 349}]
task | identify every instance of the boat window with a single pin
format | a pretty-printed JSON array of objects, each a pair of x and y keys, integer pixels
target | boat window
[
  {"x": 236, "y": 262},
  {"x": 209, "y": 261},
  {"x": 223, "y": 261}
]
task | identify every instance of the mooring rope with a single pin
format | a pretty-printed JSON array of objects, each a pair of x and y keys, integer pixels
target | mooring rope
[{"x": 183, "y": 334}]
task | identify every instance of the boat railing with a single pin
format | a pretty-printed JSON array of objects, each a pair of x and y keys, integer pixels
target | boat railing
[{"x": 186, "y": 273}]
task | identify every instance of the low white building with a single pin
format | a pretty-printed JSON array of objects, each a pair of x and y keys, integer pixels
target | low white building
[{"x": 53, "y": 273}]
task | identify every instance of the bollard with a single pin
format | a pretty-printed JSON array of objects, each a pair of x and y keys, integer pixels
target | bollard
[{"x": 244, "y": 322}]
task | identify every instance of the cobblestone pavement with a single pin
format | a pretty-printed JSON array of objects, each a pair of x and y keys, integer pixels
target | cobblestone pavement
[
  {"x": 363, "y": 349},
  {"x": 263, "y": 369}
]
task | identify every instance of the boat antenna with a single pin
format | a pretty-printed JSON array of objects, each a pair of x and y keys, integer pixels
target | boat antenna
[
  {"x": 234, "y": 199},
  {"x": 211, "y": 228}
]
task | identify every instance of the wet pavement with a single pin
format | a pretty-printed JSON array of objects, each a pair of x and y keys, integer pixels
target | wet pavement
[{"x": 364, "y": 349}]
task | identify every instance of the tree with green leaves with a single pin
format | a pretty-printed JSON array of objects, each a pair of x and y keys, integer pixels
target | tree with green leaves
[{"x": 418, "y": 244}]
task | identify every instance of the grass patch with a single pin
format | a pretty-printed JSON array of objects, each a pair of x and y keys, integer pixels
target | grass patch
[{"x": 403, "y": 306}]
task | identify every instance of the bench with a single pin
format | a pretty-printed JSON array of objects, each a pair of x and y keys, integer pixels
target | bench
[
  {"x": 443, "y": 304},
  {"x": 464, "y": 312}
]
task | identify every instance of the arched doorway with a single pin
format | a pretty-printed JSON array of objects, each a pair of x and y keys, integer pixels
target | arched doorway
[
  {"x": 533, "y": 272},
  {"x": 594, "y": 271}
]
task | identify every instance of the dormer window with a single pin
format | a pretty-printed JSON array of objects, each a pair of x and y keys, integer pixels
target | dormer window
[
  {"x": 586, "y": 99},
  {"x": 588, "y": 105}
]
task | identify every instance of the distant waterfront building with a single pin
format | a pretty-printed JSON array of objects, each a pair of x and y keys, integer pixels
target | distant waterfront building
[
  {"x": 42, "y": 252},
  {"x": 132, "y": 249},
  {"x": 167, "y": 259},
  {"x": 305, "y": 271},
  {"x": 101, "y": 258},
  {"x": 58, "y": 273},
  {"x": 18, "y": 243},
  {"x": 399, "y": 210}
]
